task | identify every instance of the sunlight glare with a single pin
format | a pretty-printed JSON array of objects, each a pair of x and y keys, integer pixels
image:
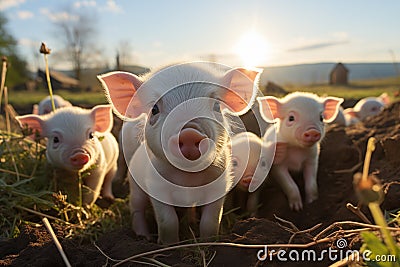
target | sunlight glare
[{"x": 252, "y": 48}]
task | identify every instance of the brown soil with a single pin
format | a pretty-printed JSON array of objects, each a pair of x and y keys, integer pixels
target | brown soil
[{"x": 342, "y": 149}]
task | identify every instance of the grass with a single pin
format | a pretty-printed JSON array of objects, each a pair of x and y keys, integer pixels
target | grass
[
  {"x": 20, "y": 99},
  {"x": 27, "y": 194},
  {"x": 355, "y": 90}
]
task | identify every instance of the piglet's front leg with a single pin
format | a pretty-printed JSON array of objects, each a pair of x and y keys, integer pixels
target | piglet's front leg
[
  {"x": 288, "y": 185},
  {"x": 138, "y": 201},
  {"x": 167, "y": 222},
  {"x": 210, "y": 218},
  {"x": 252, "y": 203},
  {"x": 93, "y": 182},
  {"x": 106, "y": 191},
  {"x": 310, "y": 180}
]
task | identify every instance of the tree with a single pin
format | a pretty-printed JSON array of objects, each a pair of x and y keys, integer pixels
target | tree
[
  {"x": 17, "y": 71},
  {"x": 78, "y": 34},
  {"x": 124, "y": 53}
]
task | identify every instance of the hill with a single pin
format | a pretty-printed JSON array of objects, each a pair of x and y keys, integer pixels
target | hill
[{"x": 302, "y": 74}]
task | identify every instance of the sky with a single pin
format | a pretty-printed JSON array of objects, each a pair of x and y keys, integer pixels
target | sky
[{"x": 237, "y": 33}]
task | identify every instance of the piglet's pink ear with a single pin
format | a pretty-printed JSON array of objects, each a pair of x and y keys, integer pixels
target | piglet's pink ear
[
  {"x": 102, "y": 117},
  {"x": 331, "y": 108},
  {"x": 243, "y": 89},
  {"x": 269, "y": 108},
  {"x": 384, "y": 97},
  {"x": 32, "y": 121},
  {"x": 119, "y": 88},
  {"x": 35, "y": 109},
  {"x": 350, "y": 112}
]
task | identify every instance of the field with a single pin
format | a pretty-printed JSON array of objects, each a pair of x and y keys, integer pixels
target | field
[
  {"x": 101, "y": 235},
  {"x": 355, "y": 89}
]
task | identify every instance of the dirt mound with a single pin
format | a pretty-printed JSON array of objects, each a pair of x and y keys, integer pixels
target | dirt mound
[{"x": 342, "y": 153}]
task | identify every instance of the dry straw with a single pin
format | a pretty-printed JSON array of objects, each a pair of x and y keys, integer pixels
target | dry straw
[
  {"x": 46, "y": 51},
  {"x": 56, "y": 242}
]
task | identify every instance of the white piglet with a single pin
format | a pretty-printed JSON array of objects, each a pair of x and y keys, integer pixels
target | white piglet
[
  {"x": 250, "y": 164},
  {"x": 184, "y": 159},
  {"x": 366, "y": 107},
  {"x": 45, "y": 105},
  {"x": 79, "y": 139},
  {"x": 130, "y": 135},
  {"x": 301, "y": 119}
]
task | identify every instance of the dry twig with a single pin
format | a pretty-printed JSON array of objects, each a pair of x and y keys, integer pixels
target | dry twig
[
  {"x": 56, "y": 242},
  {"x": 318, "y": 239}
]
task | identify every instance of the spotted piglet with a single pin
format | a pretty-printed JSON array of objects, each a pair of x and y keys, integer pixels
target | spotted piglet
[
  {"x": 301, "y": 119},
  {"x": 79, "y": 139}
]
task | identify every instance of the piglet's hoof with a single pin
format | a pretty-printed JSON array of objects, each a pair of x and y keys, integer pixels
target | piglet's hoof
[
  {"x": 295, "y": 203},
  {"x": 105, "y": 202}
]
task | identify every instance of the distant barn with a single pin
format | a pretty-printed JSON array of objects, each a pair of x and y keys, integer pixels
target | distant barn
[
  {"x": 339, "y": 75},
  {"x": 59, "y": 80}
]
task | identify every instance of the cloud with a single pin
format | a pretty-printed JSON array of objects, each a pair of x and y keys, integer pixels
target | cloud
[
  {"x": 334, "y": 39},
  {"x": 90, "y": 3},
  {"x": 315, "y": 46},
  {"x": 24, "y": 14},
  {"x": 112, "y": 6},
  {"x": 58, "y": 16},
  {"x": 6, "y": 4}
]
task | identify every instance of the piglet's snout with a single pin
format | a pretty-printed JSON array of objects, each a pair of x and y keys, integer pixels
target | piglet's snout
[
  {"x": 311, "y": 136},
  {"x": 191, "y": 143},
  {"x": 79, "y": 158}
]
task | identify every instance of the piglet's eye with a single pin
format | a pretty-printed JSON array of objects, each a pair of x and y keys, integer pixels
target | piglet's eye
[
  {"x": 234, "y": 163},
  {"x": 56, "y": 140},
  {"x": 91, "y": 135},
  {"x": 263, "y": 164},
  {"x": 291, "y": 118},
  {"x": 217, "y": 107},
  {"x": 155, "y": 110},
  {"x": 321, "y": 117}
]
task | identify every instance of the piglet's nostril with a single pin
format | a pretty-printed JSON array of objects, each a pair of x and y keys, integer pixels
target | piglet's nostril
[
  {"x": 312, "y": 136},
  {"x": 189, "y": 142},
  {"x": 79, "y": 159}
]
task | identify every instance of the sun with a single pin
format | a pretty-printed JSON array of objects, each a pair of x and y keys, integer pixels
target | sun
[{"x": 252, "y": 48}]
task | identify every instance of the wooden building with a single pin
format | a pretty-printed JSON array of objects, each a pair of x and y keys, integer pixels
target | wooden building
[
  {"x": 59, "y": 80},
  {"x": 339, "y": 75}
]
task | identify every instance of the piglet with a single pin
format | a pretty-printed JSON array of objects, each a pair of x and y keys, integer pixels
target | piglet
[
  {"x": 130, "y": 134},
  {"x": 250, "y": 164},
  {"x": 79, "y": 139},
  {"x": 366, "y": 107},
  {"x": 45, "y": 105},
  {"x": 184, "y": 159},
  {"x": 301, "y": 119},
  {"x": 340, "y": 118}
]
